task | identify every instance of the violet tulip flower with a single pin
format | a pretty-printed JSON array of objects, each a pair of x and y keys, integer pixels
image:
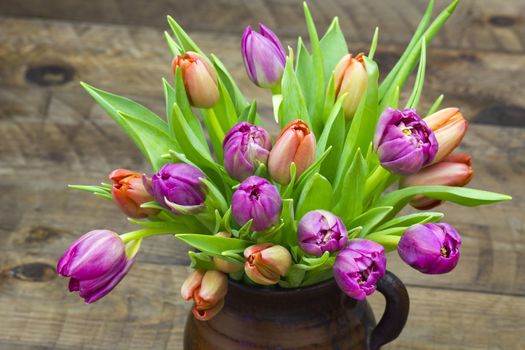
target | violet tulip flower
[
  {"x": 267, "y": 263},
  {"x": 358, "y": 267},
  {"x": 351, "y": 79},
  {"x": 404, "y": 142},
  {"x": 178, "y": 187},
  {"x": 430, "y": 248},
  {"x": 129, "y": 193},
  {"x": 449, "y": 127},
  {"x": 258, "y": 200},
  {"x": 264, "y": 56},
  {"x": 454, "y": 170},
  {"x": 321, "y": 231},
  {"x": 200, "y": 80},
  {"x": 246, "y": 146},
  {"x": 207, "y": 289},
  {"x": 95, "y": 264},
  {"x": 295, "y": 143}
]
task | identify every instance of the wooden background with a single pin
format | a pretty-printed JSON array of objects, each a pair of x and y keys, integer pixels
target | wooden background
[{"x": 52, "y": 134}]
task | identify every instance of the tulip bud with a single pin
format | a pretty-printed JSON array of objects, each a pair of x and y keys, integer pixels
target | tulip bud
[
  {"x": 358, "y": 267},
  {"x": 321, "y": 231},
  {"x": 430, "y": 248},
  {"x": 454, "y": 170},
  {"x": 222, "y": 264},
  {"x": 258, "y": 200},
  {"x": 207, "y": 289},
  {"x": 264, "y": 57},
  {"x": 246, "y": 146},
  {"x": 404, "y": 142},
  {"x": 95, "y": 264},
  {"x": 178, "y": 185},
  {"x": 266, "y": 263},
  {"x": 351, "y": 79},
  {"x": 129, "y": 193},
  {"x": 295, "y": 143},
  {"x": 200, "y": 80},
  {"x": 449, "y": 127}
]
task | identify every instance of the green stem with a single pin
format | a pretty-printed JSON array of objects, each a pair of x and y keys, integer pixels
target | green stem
[
  {"x": 377, "y": 177},
  {"x": 142, "y": 233},
  {"x": 276, "y": 102}
]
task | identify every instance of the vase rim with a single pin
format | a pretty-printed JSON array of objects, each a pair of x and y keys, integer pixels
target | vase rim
[{"x": 276, "y": 290}]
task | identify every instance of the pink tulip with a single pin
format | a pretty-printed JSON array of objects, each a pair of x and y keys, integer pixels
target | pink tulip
[
  {"x": 351, "y": 79},
  {"x": 449, "y": 127},
  {"x": 207, "y": 289},
  {"x": 454, "y": 170},
  {"x": 200, "y": 80},
  {"x": 266, "y": 263},
  {"x": 295, "y": 143},
  {"x": 129, "y": 193}
]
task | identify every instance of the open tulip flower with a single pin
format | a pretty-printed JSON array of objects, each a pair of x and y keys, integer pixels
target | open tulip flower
[{"x": 307, "y": 200}]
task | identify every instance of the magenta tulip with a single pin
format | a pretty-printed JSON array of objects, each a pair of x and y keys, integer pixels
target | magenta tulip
[{"x": 321, "y": 231}]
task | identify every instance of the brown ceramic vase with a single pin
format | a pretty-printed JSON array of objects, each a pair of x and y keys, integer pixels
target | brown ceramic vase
[{"x": 317, "y": 317}]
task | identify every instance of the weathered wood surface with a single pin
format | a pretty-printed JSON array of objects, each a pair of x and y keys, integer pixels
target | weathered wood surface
[{"x": 55, "y": 135}]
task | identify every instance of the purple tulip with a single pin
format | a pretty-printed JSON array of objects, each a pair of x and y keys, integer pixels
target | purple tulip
[
  {"x": 358, "y": 267},
  {"x": 264, "y": 56},
  {"x": 245, "y": 147},
  {"x": 177, "y": 187},
  {"x": 256, "y": 198},
  {"x": 96, "y": 263},
  {"x": 430, "y": 248},
  {"x": 321, "y": 231},
  {"x": 404, "y": 142}
]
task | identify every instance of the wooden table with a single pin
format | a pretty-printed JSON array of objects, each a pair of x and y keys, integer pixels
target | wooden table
[{"x": 52, "y": 134}]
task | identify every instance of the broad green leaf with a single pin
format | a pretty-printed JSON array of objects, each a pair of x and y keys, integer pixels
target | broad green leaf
[
  {"x": 293, "y": 105},
  {"x": 293, "y": 279},
  {"x": 214, "y": 196},
  {"x": 289, "y": 229},
  {"x": 413, "y": 101},
  {"x": 286, "y": 191},
  {"x": 392, "y": 231},
  {"x": 201, "y": 261},
  {"x": 370, "y": 219},
  {"x": 184, "y": 39},
  {"x": 316, "y": 276},
  {"x": 312, "y": 169},
  {"x": 249, "y": 113},
  {"x": 215, "y": 132},
  {"x": 304, "y": 69},
  {"x": 389, "y": 242},
  {"x": 333, "y": 47},
  {"x": 316, "y": 194},
  {"x": 245, "y": 230},
  {"x": 309, "y": 264},
  {"x": 412, "y": 219},
  {"x": 224, "y": 76},
  {"x": 213, "y": 245},
  {"x": 333, "y": 135},
  {"x": 329, "y": 101},
  {"x": 460, "y": 195},
  {"x": 174, "y": 47},
  {"x": 349, "y": 202}
]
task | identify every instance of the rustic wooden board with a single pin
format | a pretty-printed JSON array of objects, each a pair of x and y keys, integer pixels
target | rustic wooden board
[{"x": 54, "y": 135}]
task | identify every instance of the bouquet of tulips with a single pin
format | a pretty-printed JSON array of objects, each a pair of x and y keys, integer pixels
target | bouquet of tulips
[{"x": 320, "y": 201}]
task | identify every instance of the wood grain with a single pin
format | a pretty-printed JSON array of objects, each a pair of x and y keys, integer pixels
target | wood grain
[{"x": 53, "y": 135}]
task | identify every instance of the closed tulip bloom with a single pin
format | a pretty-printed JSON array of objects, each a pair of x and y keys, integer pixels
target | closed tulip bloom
[
  {"x": 200, "y": 80},
  {"x": 222, "y": 264},
  {"x": 351, "y": 79},
  {"x": 246, "y": 146},
  {"x": 178, "y": 186},
  {"x": 267, "y": 263},
  {"x": 358, "y": 267},
  {"x": 321, "y": 231},
  {"x": 430, "y": 248},
  {"x": 449, "y": 127},
  {"x": 295, "y": 143},
  {"x": 95, "y": 264},
  {"x": 258, "y": 200},
  {"x": 207, "y": 289},
  {"x": 404, "y": 142},
  {"x": 454, "y": 170},
  {"x": 129, "y": 193},
  {"x": 264, "y": 56}
]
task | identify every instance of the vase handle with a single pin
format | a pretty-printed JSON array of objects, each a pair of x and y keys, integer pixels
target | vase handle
[{"x": 396, "y": 311}]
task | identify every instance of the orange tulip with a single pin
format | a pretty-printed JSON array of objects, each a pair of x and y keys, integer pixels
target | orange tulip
[
  {"x": 454, "y": 170},
  {"x": 295, "y": 143},
  {"x": 129, "y": 193},
  {"x": 351, "y": 79},
  {"x": 449, "y": 127},
  {"x": 266, "y": 263},
  {"x": 200, "y": 80},
  {"x": 207, "y": 289}
]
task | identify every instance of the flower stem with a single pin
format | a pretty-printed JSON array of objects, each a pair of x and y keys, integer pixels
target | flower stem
[
  {"x": 142, "y": 233},
  {"x": 379, "y": 175}
]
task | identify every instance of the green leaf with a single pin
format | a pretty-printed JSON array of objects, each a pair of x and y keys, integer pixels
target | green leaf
[
  {"x": 349, "y": 202},
  {"x": 392, "y": 231},
  {"x": 99, "y": 190},
  {"x": 304, "y": 71},
  {"x": 286, "y": 191},
  {"x": 249, "y": 113},
  {"x": 293, "y": 279},
  {"x": 200, "y": 261},
  {"x": 316, "y": 194},
  {"x": 215, "y": 196},
  {"x": 245, "y": 229},
  {"x": 389, "y": 242},
  {"x": 213, "y": 245},
  {"x": 184, "y": 39},
  {"x": 460, "y": 195},
  {"x": 333, "y": 135},
  {"x": 333, "y": 47},
  {"x": 413, "y": 101},
  {"x": 373, "y": 46},
  {"x": 174, "y": 47},
  {"x": 316, "y": 276},
  {"x": 293, "y": 105},
  {"x": 354, "y": 232},
  {"x": 312, "y": 169},
  {"x": 227, "y": 80},
  {"x": 412, "y": 219},
  {"x": 224, "y": 109},
  {"x": 289, "y": 229},
  {"x": 309, "y": 264},
  {"x": 435, "y": 105},
  {"x": 329, "y": 101},
  {"x": 370, "y": 219}
]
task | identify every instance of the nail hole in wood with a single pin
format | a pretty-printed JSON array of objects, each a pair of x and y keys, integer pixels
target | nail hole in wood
[
  {"x": 501, "y": 116},
  {"x": 34, "y": 272},
  {"x": 50, "y": 74},
  {"x": 502, "y": 21}
]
